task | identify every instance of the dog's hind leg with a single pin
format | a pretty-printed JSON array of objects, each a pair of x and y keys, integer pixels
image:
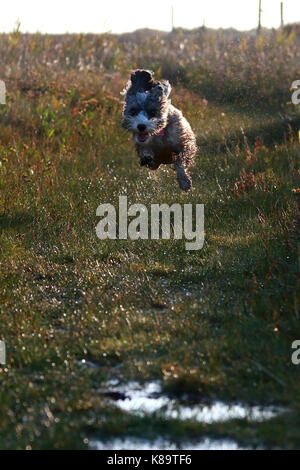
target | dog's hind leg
[{"x": 183, "y": 177}]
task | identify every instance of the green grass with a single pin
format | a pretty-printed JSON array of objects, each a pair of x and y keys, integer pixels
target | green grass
[{"x": 217, "y": 322}]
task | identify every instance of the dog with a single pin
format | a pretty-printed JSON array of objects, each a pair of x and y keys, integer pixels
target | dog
[{"x": 160, "y": 132}]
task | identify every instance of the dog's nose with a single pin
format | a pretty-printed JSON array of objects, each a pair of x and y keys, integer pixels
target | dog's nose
[{"x": 141, "y": 127}]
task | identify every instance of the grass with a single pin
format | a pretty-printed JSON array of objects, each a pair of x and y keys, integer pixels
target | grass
[{"x": 219, "y": 322}]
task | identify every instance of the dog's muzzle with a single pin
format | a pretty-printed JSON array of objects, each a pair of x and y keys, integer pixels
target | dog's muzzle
[{"x": 142, "y": 137}]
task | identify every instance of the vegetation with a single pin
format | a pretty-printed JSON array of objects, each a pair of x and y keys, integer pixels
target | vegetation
[{"x": 216, "y": 323}]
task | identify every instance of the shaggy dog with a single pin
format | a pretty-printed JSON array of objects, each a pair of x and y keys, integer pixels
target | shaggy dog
[{"x": 159, "y": 130}]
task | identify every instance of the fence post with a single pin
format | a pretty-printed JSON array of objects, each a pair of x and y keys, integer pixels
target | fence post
[
  {"x": 172, "y": 17},
  {"x": 259, "y": 17}
]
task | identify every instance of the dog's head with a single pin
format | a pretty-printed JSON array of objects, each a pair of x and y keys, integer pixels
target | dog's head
[{"x": 146, "y": 105}]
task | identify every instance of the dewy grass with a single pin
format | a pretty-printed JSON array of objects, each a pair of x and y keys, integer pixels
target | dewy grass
[{"x": 215, "y": 324}]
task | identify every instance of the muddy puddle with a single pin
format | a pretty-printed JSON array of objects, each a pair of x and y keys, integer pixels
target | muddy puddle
[
  {"x": 135, "y": 443},
  {"x": 149, "y": 398},
  {"x": 145, "y": 399}
]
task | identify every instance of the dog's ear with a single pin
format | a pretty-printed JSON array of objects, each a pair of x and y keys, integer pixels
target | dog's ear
[
  {"x": 166, "y": 87},
  {"x": 157, "y": 92},
  {"x": 141, "y": 80},
  {"x": 161, "y": 90}
]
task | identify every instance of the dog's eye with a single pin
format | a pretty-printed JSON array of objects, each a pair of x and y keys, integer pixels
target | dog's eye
[
  {"x": 151, "y": 113},
  {"x": 133, "y": 111}
]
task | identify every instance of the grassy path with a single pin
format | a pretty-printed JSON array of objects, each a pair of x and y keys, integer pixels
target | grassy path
[{"x": 217, "y": 323}]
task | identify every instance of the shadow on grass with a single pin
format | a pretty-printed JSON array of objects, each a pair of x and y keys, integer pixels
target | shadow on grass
[
  {"x": 15, "y": 221},
  {"x": 269, "y": 133}
]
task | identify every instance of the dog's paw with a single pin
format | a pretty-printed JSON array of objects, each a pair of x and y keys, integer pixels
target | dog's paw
[
  {"x": 153, "y": 165},
  {"x": 146, "y": 160},
  {"x": 185, "y": 183}
]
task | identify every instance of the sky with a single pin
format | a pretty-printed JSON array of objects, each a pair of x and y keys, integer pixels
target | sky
[{"x": 117, "y": 16}]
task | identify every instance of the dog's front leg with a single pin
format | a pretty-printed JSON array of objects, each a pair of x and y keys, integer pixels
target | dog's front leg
[
  {"x": 183, "y": 177},
  {"x": 147, "y": 159},
  {"x": 146, "y": 156}
]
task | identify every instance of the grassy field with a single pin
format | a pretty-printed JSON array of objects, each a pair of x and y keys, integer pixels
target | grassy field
[{"x": 216, "y": 323}]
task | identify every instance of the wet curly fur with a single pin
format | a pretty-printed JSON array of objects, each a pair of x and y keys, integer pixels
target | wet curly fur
[{"x": 161, "y": 133}]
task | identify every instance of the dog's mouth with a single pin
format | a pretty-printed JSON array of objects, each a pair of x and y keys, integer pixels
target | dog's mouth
[{"x": 142, "y": 137}]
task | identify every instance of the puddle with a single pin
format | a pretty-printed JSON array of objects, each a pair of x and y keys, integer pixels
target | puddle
[
  {"x": 148, "y": 398},
  {"x": 135, "y": 443}
]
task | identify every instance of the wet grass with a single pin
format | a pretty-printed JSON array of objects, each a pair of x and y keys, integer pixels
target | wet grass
[{"x": 216, "y": 323}]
